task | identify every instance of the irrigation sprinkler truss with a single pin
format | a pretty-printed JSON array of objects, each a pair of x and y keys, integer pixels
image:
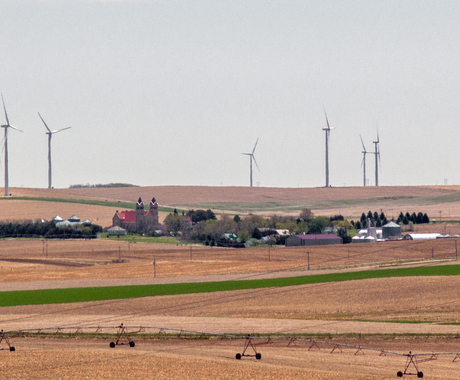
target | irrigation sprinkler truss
[
  {"x": 248, "y": 344},
  {"x": 4, "y": 337},
  {"x": 251, "y": 342}
]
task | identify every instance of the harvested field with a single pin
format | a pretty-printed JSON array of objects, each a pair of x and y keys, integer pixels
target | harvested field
[
  {"x": 348, "y": 201},
  {"x": 184, "y": 359},
  {"x": 179, "y": 261}
]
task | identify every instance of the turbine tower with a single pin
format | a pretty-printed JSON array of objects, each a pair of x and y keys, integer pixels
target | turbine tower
[
  {"x": 50, "y": 133},
  {"x": 5, "y": 139},
  {"x": 363, "y": 164},
  {"x": 328, "y": 131},
  {"x": 377, "y": 158},
  {"x": 251, "y": 158}
]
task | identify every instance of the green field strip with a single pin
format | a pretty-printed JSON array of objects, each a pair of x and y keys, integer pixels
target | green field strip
[
  {"x": 53, "y": 296},
  {"x": 115, "y": 204}
]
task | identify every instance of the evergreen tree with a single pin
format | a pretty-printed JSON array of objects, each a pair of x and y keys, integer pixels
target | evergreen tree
[
  {"x": 425, "y": 218},
  {"x": 413, "y": 217},
  {"x": 419, "y": 218},
  {"x": 376, "y": 216}
]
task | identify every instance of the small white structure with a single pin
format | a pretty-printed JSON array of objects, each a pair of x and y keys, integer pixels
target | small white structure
[
  {"x": 368, "y": 235},
  {"x": 116, "y": 231}
]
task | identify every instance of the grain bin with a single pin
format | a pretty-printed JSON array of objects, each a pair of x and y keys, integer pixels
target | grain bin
[{"x": 391, "y": 231}]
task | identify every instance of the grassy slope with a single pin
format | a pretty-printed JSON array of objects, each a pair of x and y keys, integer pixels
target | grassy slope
[{"x": 49, "y": 296}]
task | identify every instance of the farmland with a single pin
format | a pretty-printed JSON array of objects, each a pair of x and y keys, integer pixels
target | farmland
[{"x": 417, "y": 313}]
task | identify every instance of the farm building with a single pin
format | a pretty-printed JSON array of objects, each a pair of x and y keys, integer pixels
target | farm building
[
  {"x": 391, "y": 231},
  {"x": 139, "y": 221},
  {"x": 306, "y": 240},
  {"x": 422, "y": 236},
  {"x": 73, "y": 220},
  {"x": 116, "y": 231}
]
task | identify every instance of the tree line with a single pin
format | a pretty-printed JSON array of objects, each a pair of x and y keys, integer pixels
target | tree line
[
  {"x": 47, "y": 230},
  {"x": 379, "y": 220}
]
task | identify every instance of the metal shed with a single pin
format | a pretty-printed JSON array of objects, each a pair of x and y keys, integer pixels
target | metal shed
[{"x": 306, "y": 240}]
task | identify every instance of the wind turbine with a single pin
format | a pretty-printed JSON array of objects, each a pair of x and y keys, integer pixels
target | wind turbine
[
  {"x": 5, "y": 139},
  {"x": 50, "y": 133},
  {"x": 363, "y": 164},
  {"x": 328, "y": 131},
  {"x": 377, "y": 158},
  {"x": 251, "y": 158}
]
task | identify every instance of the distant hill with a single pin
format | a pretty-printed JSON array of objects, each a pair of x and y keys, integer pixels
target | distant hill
[{"x": 437, "y": 201}]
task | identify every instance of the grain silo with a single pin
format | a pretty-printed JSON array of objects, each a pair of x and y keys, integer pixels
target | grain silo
[{"x": 391, "y": 231}]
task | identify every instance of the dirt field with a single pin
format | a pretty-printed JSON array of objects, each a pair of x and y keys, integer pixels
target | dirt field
[
  {"x": 439, "y": 202},
  {"x": 330, "y": 308},
  {"x": 336, "y": 309}
]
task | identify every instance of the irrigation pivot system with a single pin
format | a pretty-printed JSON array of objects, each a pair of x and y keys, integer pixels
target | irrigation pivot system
[{"x": 251, "y": 342}]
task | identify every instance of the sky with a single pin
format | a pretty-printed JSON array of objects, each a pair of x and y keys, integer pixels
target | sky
[{"x": 171, "y": 92}]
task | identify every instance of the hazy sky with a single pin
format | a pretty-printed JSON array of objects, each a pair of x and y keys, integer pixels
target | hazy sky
[{"x": 172, "y": 92}]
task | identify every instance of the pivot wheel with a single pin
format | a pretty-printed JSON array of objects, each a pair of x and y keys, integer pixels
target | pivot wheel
[
  {"x": 12, "y": 349},
  {"x": 112, "y": 344},
  {"x": 238, "y": 356},
  {"x": 399, "y": 374},
  {"x": 420, "y": 374},
  {"x": 131, "y": 344},
  {"x": 258, "y": 356}
]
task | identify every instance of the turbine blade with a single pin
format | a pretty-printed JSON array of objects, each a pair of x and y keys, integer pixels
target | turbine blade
[
  {"x": 327, "y": 121},
  {"x": 362, "y": 143},
  {"x": 59, "y": 130},
  {"x": 255, "y": 162},
  {"x": 44, "y": 122},
  {"x": 255, "y": 146},
  {"x": 17, "y": 129},
  {"x": 6, "y": 115}
]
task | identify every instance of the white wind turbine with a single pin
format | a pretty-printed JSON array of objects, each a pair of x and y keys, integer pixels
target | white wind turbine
[
  {"x": 363, "y": 164},
  {"x": 5, "y": 146},
  {"x": 50, "y": 133},
  {"x": 377, "y": 159},
  {"x": 328, "y": 131},
  {"x": 251, "y": 158}
]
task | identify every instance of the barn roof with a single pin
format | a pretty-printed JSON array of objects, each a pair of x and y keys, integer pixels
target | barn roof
[{"x": 318, "y": 237}]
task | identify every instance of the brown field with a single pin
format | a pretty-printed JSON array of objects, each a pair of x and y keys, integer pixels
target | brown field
[
  {"x": 348, "y": 201},
  {"x": 354, "y": 307}
]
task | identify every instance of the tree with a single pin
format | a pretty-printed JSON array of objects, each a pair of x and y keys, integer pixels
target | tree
[
  {"x": 425, "y": 218},
  {"x": 237, "y": 219},
  {"x": 256, "y": 234},
  {"x": 306, "y": 215},
  {"x": 376, "y": 216},
  {"x": 316, "y": 225},
  {"x": 363, "y": 217},
  {"x": 358, "y": 225},
  {"x": 419, "y": 219},
  {"x": 370, "y": 215},
  {"x": 382, "y": 216}
]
